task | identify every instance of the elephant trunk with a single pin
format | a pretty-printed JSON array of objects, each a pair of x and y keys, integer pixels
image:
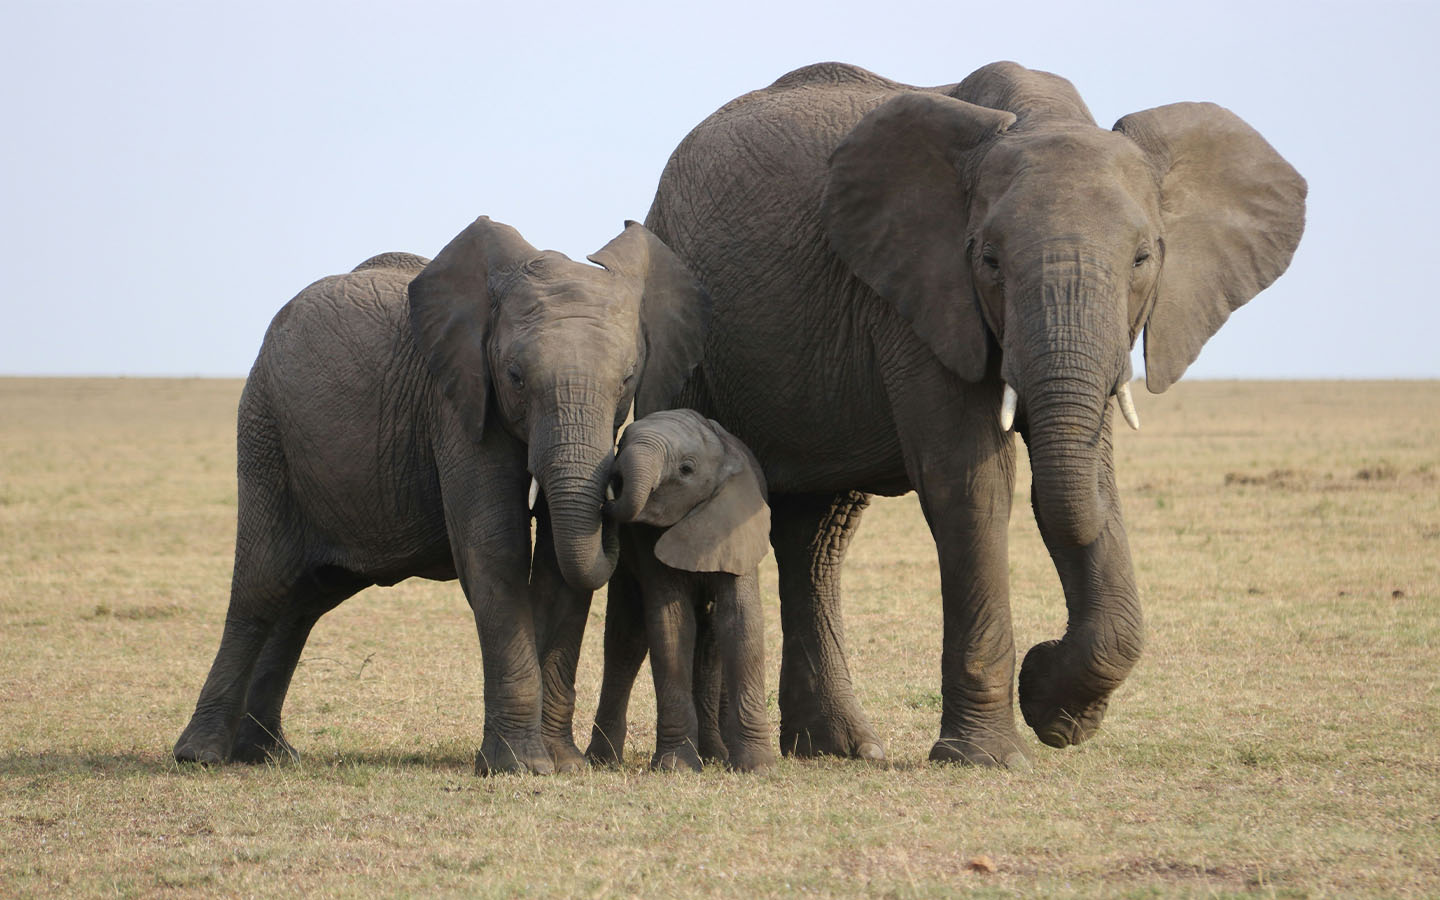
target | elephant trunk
[
  {"x": 571, "y": 453},
  {"x": 1065, "y": 359},
  {"x": 637, "y": 471},
  {"x": 1065, "y": 353},
  {"x": 1064, "y": 422}
]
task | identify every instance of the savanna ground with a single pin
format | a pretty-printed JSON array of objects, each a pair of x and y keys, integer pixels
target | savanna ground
[{"x": 1278, "y": 738}]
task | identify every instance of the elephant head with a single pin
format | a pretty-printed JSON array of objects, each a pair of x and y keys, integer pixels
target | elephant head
[
  {"x": 682, "y": 472},
  {"x": 555, "y": 352},
  {"x": 1021, "y": 241}
]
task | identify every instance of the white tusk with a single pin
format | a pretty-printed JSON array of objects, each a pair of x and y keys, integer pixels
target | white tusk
[
  {"x": 1007, "y": 408},
  {"x": 534, "y": 491},
  {"x": 609, "y": 491},
  {"x": 1127, "y": 406}
]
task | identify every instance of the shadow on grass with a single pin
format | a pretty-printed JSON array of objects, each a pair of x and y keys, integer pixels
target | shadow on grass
[{"x": 134, "y": 763}]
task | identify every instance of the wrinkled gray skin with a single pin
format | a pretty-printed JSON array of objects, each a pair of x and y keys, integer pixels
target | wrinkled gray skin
[
  {"x": 386, "y": 433},
  {"x": 694, "y": 501},
  {"x": 881, "y": 259}
]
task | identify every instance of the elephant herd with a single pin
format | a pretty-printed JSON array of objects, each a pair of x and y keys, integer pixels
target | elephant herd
[{"x": 845, "y": 286}]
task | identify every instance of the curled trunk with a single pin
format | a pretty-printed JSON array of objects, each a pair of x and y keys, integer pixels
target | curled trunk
[
  {"x": 637, "y": 472},
  {"x": 571, "y": 455}
]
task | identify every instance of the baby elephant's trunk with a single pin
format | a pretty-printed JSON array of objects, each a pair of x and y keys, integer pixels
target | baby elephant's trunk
[{"x": 636, "y": 473}]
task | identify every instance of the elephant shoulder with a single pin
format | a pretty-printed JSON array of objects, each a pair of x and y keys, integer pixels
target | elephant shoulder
[{"x": 399, "y": 261}]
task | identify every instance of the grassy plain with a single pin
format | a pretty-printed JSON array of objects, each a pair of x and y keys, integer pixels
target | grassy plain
[{"x": 1280, "y": 737}]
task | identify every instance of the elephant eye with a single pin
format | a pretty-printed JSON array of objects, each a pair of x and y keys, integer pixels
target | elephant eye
[
  {"x": 517, "y": 378},
  {"x": 988, "y": 257},
  {"x": 1140, "y": 257},
  {"x": 687, "y": 468}
]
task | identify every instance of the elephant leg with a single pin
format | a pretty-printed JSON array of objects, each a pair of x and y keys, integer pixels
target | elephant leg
[
  {"x": 739, "y": 631},
  {"x": 267, "y": 574},
  {"x": 483, "y": 491},
  {"x": 259, "y": 736},
  {"x": 670, "y": 628},
  {"x": 563, "y": 611},
  {"x": 963, "y": 468},
  {"x": 818, "y": 710},
  {"x": 709, "y": 685},
  {"x": 625, "y": 649},
  {"x": 1065, "y": 685}
]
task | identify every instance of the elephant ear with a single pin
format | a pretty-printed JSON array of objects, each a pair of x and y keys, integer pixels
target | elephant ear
[
  {"x": 450, "y": 307},
  {"x": 1232, "y": 210},
  {"x": 674, "y": 312},
  {"x": 896, "y": 213},
  {"x": 730, "y": 531}
]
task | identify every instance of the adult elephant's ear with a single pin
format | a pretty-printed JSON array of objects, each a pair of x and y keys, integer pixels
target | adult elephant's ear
[
  {"x": 1233, "y": 211},
  {"x": 450, "y": 312},
  {"x": 896, "y": 213},
  {"x": 674, "y": 312}
]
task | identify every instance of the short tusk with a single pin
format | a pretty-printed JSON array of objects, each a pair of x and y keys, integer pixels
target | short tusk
[
  {"x": 534, "y": 491},
  {"x": 609, "y": 491},
  {"x": 1127, "y": 406},
  {"x": 1008, "y": 400}
]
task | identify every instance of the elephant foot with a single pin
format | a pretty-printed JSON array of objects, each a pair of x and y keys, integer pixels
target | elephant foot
[
  {"x": 499, "y": 755},
  {"x": 1059, "y": 712},
  {"x": 751, "y": 759},
  {"x": 255, "y": 743},
  {"x": 843, "y": 734},
  {"x": 680, "y": 759},
  {"x": 197, "y": 745},
  {"x": 997, "y": 751},
  {"x": 607, "y": 747},
  {"x": 712, "y": 746},
  {"x": 565, "y": 755}
]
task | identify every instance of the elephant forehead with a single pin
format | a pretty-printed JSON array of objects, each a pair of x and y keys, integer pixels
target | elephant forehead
[
  {"x": 1060, "y": 181},
  {"x": 1077, "y": 152},
  {"x": 679, "y": 432}
]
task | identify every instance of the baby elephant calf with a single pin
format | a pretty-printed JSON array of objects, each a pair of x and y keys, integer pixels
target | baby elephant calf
[{"x": 686, "y": 585}]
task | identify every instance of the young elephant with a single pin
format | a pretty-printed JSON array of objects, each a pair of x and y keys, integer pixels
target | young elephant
[
  {"x": 390, "y": 427},
  {"x": 694, "y": 499}
]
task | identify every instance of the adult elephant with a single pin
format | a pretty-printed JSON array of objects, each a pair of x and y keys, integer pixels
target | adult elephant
[
  {"x": 390, "y": 428},
  {"x": 898, "y": 275}
]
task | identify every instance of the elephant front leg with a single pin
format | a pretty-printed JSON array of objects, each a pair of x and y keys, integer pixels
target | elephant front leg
[
  {"x": 670, "y": 628},
  {"x": 977, "y": 662},
  {"x": 1065, "y": 685},
  {"x": 818, "y": 710},
  {"x": 490, "y": 543},
  {"x": 563, "y": 611},
  {"x": 739, "y": 632}
]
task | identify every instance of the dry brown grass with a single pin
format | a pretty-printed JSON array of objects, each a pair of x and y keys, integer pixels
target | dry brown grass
[{"x": 1278, "y": 738}]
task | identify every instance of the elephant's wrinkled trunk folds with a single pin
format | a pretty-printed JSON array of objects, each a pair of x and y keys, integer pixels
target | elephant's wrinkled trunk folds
[
  {"x": 571, "y": 452},
  {"x": 1065, "y": 351},
  {"x": 637, "y": 472}
]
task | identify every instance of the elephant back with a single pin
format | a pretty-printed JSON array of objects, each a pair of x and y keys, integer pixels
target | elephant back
[{"x": 396, "y": 260}]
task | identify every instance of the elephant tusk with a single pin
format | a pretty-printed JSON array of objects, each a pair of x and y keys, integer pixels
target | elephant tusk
[
  {"x": 609, "y": 492},
  {"x": 1127, "y": 406},
  {"x": 534, "y": 491},
  {"x": 1008, "y": 400}
]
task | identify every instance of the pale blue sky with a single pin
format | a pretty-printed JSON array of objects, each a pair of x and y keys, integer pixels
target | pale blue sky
[{"x": 172, "y": 173}]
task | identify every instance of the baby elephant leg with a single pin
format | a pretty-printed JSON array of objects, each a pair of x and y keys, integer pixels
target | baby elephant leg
[
  {"x": 670, "y": 627},
  {"x": 739, "y": 634}
]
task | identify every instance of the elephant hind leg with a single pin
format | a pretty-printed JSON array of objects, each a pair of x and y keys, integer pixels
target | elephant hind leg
[
  {"x": 818, "y": 710},
  {"x": 259, "y": 736}
]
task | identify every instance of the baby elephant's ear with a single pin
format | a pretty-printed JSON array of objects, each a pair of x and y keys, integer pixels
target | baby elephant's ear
[{"x": 729, "y": 532}]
